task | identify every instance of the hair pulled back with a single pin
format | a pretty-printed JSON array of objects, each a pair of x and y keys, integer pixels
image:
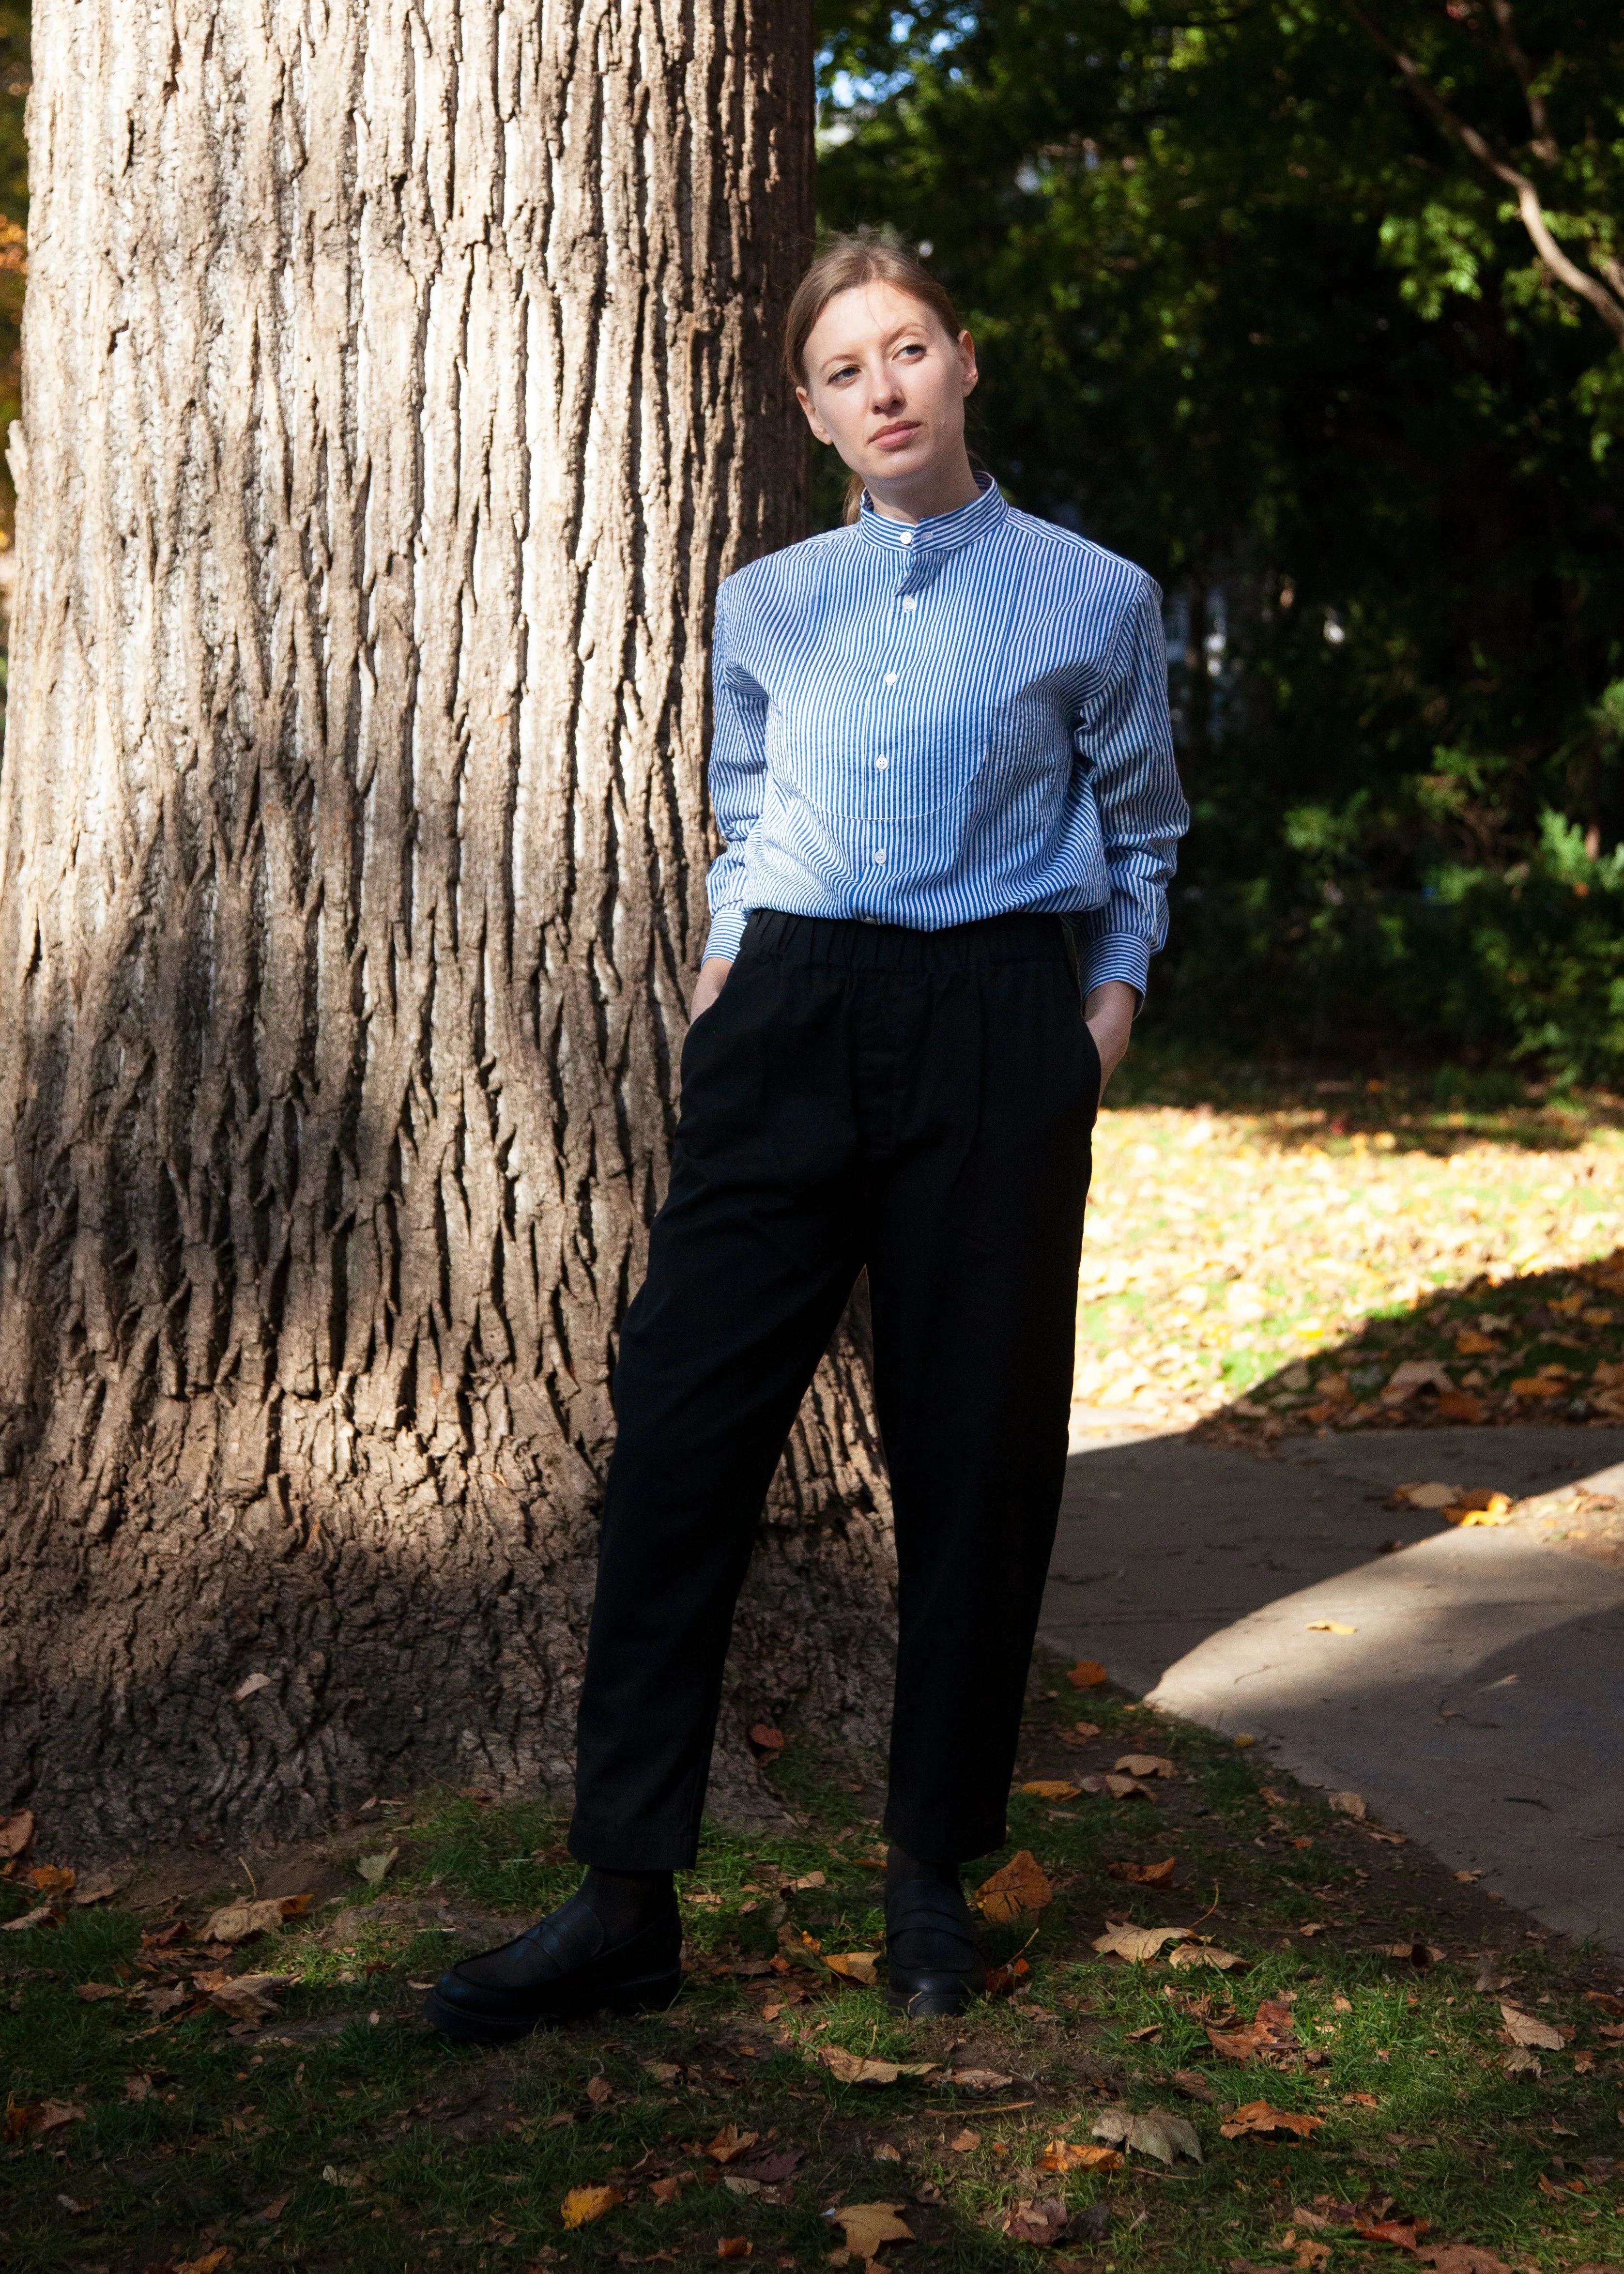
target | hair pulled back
[{"x": 862, "y": 256}]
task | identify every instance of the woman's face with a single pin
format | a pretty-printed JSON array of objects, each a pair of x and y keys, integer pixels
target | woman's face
[{"x": 886, "y": 385}]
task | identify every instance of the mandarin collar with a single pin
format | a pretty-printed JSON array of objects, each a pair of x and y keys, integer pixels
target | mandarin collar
[{"x": 940, "y": 532}]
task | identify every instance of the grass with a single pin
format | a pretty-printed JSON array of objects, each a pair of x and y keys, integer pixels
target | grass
[{"x": 340, "y": 2134}]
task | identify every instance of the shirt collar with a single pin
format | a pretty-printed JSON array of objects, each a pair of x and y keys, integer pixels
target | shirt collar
[{"x": 940, "y": 532}]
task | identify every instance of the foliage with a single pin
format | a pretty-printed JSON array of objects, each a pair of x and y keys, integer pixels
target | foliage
[{"x": 1251, "y": 312}]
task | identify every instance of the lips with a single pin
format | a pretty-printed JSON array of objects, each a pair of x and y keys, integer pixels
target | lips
[{"x": 891, "y": 437}]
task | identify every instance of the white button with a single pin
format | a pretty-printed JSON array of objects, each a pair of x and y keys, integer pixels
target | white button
[
  {"x": 908, "y": 602},
  {"x": 881, "y": 763},
  {"x": 879, "y": 852},
  {"x": 891, "y": 679},
  {"x": 905, "y": 537}
]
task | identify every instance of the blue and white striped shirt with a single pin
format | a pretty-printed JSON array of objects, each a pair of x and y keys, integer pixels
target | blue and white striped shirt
[{"x": 932, "y": 723}]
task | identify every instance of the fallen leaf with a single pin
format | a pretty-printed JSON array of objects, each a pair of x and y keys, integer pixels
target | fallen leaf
[
  {"x": 1466, "y": 2258},
  {"x": 26, "y": 2120},
  {"x": 36, "y": 1917},
  {"x": 52, "y": 1878},
  {"x": 868, "y": 2224},
  {"x": 599, "y": 2091},
  {"x": 1085, "y": 1730},
  {"x": 207, "y": 2265},
  {"x": 1154, "y": 2133},
  {"x": 1018, "y": 1891},
  {"x": 1137, "y": 1944},
  {"x": 977, "y": 2080},
  {"x": 769, "y": 1739},
  {"x": 1404, "y": 2233},
  {"x": 1045, "y": 2221},
  {"x": 861, "y": 2068},
  {"x": 583, "y": 2204},
  {"x": 1411, "y": 1374},
  {"x": 1437, "y": 1495},
  {"x": 1194, "y": 2084},
  {"x": 1330, "y": 1626},
  {"x": 1346, "y": 1803},
  {"x": 1061, "y": 2156},
  {"x": 373, "y": 1868},
  {"x": 1361, "y": 2099},
  {"x": 1052, "y": 1788},
  {"x": 734, "y": 2246},
  {"x": 963, "y": 2141},
  {"x": 819, "y": 1879},
  {"x": 1145, "y": 1875},
  {"x": 856, "y": 1965},
  {"x": 1146, "y": 1764},
  {"x": 16, "y": 1832},
  {"x": 243, "y": 1997},
  {"x": 665, "y": 2191},
  {"x": 138, "y": 2086},
  {"x": 1529, "y": 2029},
  {"x": 275, "y": 2209},
  {"x": 729, "y": 2144},
  {"x": 91, "y": 1990},
  {"x": 1520, "y": 2062},
  {"x": 235, "y": 1922},
  {"x": 1271, "y": 2031},
  {"x": 1205, "y": 1953},
  {"x": 1121, "y": 1786},
  {"x": 1259, "y": 2116},
  {"x": 1088, "y": 1674},
  {"x": 95, "y": 1889},
  {"x": 251, "y": 1688}
]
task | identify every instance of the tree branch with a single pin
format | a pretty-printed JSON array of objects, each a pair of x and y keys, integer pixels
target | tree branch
[{"x": 1609, "y": 305}]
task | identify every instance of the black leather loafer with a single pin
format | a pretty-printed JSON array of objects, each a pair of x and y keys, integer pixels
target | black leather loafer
[
  {"x": 562, "y": 1966},
  {"x": 933, "y": 1962}
]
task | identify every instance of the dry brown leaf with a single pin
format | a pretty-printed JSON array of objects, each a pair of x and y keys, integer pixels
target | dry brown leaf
[
  {"x": 1088, "y": 1674},
  {"x": 235, "y": 1922},
  {"x": 856, "y": 1965},
  {"x": 1020, "y": 1890},
  {"x": 1466, "y": 2258},
  {"x": 207, "y": 2265},
  {"x": 243, "y": 1997},
  {"x": 665, "y": 2191},
  {"x": 1137, "y": 1944},
  {"x": 1194, "y": 2084},
  {"x": 1529, "y": 2029},
  {"x": 1061, "y": 2156},
  {"x": 1085, "y": 1730},
  {"x": 977, "y": 2080},
  {"x": 1346, "y": 1803},
  {"x": 1330, "y": 1626},
  {"x": 1259, "y": 2116},
  {"x": 1205, "y": 1953},
  {"x": 734, "y": 2246},
  {"x": 1146, "y": 1764},
  {"x": 580, "y": 2205},
  {"x": 861, "y": 2068},
  {"x": 26, "y": 2120},
  {"x": 1145, "y": 1875},
  {"x": 1052, "y": 1788},
  {"x": 729, "y": 2144},
  {"x": 963, "y": 2141},
  {"x": 868, "y": 2224},
  {"x": 1042, "y": 2222},
  {"x": 91, "y": 1990},
  {"x": 1404, "y": 2233},
  {"x": 374, "y": 1869},
  {"x": 95, "y": 1889},
  {"x": 599, "y": 2091},
  {"x": 1154, "y": 2133},
  {"x": 769, "y": 1739},
  {"x": 138, "y": 2086},
  {"x": 16, "y": 1832},
  {"x": 1271, "y": 2031},
  {"x": 53, "y": 1878},
  {"x": 35, "y": 1917}
]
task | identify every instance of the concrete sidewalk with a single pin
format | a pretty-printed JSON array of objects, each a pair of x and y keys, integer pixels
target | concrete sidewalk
[{"x": 1479, "y": 1706}]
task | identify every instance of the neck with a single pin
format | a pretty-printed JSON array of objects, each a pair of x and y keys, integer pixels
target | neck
[{"x": 920, "y": 497}]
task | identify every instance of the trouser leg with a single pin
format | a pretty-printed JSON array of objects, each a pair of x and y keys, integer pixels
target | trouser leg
[
  {"x": 975, "y": 1230},
  {"x": 750, "y": 1263}
]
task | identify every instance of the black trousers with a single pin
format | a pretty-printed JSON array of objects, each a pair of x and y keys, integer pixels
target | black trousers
[{"x": 860, "y": 1094}]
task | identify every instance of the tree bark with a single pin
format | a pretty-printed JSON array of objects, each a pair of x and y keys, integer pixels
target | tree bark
[{"x": 398, "y": 383}]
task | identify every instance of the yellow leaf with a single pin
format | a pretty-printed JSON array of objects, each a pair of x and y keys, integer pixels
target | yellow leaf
[
  {"x": 867, "y": 2226},
  {"x": 856, "y": 1965},
  {"x": 862, "y": 2068},
  {"x": 1051, "y": 1788},
  {"x": 1329, "y": 1626},
  {"x": 1146, "y": 1764},
  {"x": 1020, "y": 1890},
  {"x": 1061, "y": 2156},
  {"x": 207, "y": 2265},
  {"x": 1137, "y": 1943},
  {"x": 580, "y": 2205},
  {"x": 730, "y": 2143}
]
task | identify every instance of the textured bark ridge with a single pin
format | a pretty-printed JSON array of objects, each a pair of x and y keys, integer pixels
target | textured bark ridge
[{"x": 399, "y": 382}]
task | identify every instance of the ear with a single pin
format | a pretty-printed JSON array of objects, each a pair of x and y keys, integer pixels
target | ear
[
  {"x": 813, "y": 420},
  {"x": 966, "y": 362}
]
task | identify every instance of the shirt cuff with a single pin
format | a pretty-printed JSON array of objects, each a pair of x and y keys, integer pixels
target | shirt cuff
[
  {"x": 1116, "y": 955},
  {"x": 726, "y": 932}
]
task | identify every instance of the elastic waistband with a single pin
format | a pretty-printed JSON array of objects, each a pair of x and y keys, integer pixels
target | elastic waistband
[{"x": 850, "y": 943}]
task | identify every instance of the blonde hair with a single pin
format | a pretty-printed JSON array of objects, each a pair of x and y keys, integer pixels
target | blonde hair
[{"x": 862, "y": 257}]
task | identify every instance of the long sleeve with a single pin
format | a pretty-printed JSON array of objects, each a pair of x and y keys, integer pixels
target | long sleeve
[
  {"x": 737, "y": 777},
  {"x": 1123, "y": 739}
]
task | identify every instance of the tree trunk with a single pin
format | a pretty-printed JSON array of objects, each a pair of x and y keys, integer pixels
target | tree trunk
[{"x": 398, "y": 383}]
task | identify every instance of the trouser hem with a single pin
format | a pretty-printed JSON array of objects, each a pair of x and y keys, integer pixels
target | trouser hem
[
  {"x": 934, "y": 1842},
  {"x": 605, "y": 1850}
]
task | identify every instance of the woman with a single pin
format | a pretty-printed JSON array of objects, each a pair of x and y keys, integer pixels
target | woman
[{"x": 942, "y": 769}]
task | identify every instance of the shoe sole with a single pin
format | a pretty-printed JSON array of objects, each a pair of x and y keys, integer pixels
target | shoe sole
[
  {"x": 924, "y": 2004},
  {"x": 652, "y": 1994}
]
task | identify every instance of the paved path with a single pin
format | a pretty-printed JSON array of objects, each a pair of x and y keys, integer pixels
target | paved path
[{"x": 1479, "y": 1706}]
